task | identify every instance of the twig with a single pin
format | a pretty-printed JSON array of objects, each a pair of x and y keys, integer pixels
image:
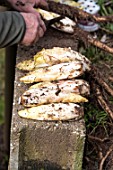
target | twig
[
  {"x": 108, "y": 3},
  {"x": 106, "y": 30},
  {"x": 110, "y": 78},
  {"x": 105, "y": 157},
  {"x": 88, "y": 160},
  {"x": 103, "y": 19},
  {"x": 98, "y": 139},
  {"x": 101, "y": 82},
  {"x": 103, "y": 103},
  {"x": 100, "y": 154}
]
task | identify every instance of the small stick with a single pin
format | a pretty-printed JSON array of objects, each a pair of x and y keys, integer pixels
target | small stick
[
  {"x": 105, "y": 157},
  {"x": 106, "y": 30},
  {"x": 98, "y": 139},
  {"x": 103, "y": 103},
  {"x": 88, "y": 160},
  {"x": 100, "y": 81},
  {"x": 110, "y": 78}
]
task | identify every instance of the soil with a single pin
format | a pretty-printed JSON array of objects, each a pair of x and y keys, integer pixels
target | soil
[
  {"x": 3, "y": 154},
  {"x": 98, "y": 151}
]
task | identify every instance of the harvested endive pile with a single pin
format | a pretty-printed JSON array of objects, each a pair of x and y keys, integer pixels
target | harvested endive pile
[{"x": 56, "y": 93}]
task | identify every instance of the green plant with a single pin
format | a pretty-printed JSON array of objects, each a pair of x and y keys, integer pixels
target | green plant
[
  {"x": 95, "y": 55},
  {"x": 94, "y": 117}
]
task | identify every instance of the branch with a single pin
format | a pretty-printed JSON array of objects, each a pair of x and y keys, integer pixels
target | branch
[
  {"x": 97, "y": 139},
  {"x": 110, "y": 78},
  {"x": 103, "y": 103},
  {"x": 98, "y": 77},
  {"x": 106, "y": 30},
  {"x": 105, "y": 157}
]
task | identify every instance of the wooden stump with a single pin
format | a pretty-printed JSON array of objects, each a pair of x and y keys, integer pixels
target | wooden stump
[{"x": 41, "y": 145}]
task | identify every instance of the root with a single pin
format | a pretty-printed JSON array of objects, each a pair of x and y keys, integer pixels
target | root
[
  {"x": 105, "y": 157},
  {"x": 99, "y": 78},
  {"x": 88, "y": 39},
  {"x": 97, "y": 139},
  {"x": 101, "y": 90},
  {"x": 105, "y": 105},
  {"x": 78, "y": 14},
  {"x": 110, "y": 78}
]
